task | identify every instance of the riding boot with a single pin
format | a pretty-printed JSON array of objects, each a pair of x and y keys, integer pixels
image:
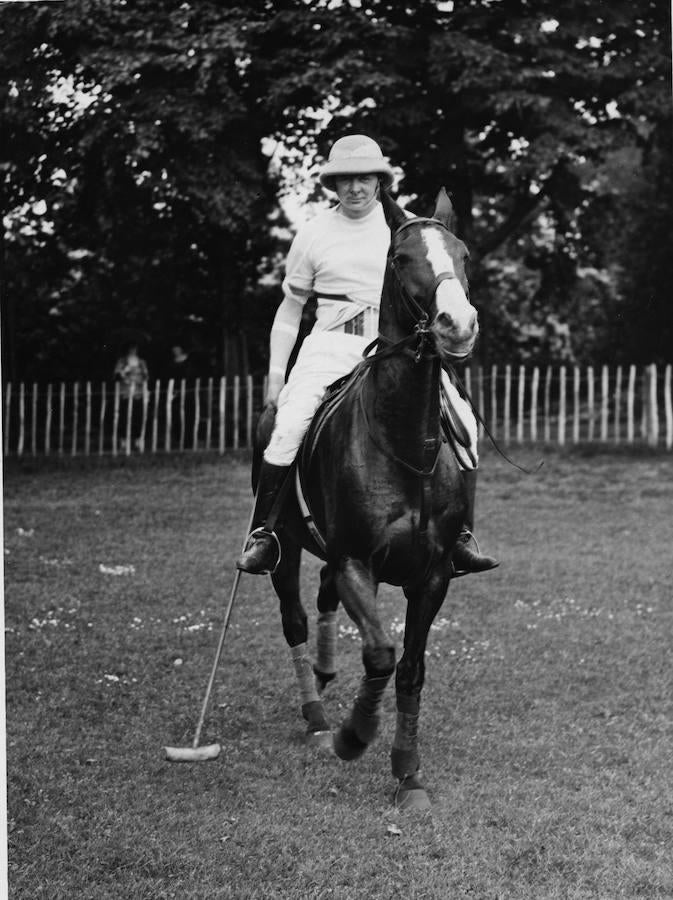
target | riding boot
[
  {"x": 262, "y": 550},
  {"x": 466, "y": 555}
]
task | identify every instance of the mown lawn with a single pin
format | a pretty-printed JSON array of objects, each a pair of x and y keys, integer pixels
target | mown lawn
[{"x": 547, "y": 727}]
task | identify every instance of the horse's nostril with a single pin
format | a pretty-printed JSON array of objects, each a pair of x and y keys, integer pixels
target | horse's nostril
[{"x": 444, "y": 319}]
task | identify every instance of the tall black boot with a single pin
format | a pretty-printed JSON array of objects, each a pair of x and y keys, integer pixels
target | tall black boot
[
  {"x": 466, "y": 555},
  {"x": 262, "y": 550}
]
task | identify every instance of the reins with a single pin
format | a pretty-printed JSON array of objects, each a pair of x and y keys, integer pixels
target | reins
[{"x": 421, "y": 336}]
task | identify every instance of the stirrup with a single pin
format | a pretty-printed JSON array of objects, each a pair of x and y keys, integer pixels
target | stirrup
[
  {"x": 270, "y": 534},
  {"x": 458, "y": 573}
]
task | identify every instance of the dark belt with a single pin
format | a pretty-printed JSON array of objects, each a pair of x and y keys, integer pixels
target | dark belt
[{"x": 356, "y": 325}]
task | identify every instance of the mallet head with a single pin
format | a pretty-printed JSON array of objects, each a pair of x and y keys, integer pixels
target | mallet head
[{"x": 192, "y": 754}]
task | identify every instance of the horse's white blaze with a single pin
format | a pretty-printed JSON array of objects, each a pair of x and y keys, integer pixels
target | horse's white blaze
[{"x": 450, "y": 297}]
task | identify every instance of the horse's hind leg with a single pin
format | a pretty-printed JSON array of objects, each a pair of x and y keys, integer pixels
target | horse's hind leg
[
  {"x": 328, "y": 601},
  {"x": 423, "y": 604},
  {"x": 357, "y": 592},
  {"x": 295, "y": 628}
]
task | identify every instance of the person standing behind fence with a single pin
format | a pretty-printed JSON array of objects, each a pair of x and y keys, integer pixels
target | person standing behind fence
[
  {"x": 132, "y": 374},
  {"x": 183, "y": 369}
]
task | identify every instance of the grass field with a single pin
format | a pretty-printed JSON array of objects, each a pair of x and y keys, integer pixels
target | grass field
[{"x": 547, "y": 717}]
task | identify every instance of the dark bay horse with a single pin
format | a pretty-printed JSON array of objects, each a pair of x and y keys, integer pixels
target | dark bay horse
[{"x": 387, "y": 495}]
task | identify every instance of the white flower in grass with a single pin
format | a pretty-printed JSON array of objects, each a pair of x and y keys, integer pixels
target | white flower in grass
[
  {"x": 56, "y": 563},
  {"x": 116, "y": 570}
]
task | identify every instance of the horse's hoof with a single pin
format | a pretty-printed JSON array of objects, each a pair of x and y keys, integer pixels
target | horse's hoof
[
  {"x": 415, "y": 799},
  {"x": 411, "y": 796},
  {"x": 320, "y": 740},
  {"x": 347, "y": 745}
]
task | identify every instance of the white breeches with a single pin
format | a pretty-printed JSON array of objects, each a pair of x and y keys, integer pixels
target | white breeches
[{"x": 324, "y": 357}]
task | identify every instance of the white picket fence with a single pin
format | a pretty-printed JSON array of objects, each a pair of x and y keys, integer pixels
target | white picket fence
[{"x": 549, "y": 405}]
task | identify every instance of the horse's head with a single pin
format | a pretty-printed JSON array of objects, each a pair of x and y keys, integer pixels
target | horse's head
[{"x": 428, "y": 262}]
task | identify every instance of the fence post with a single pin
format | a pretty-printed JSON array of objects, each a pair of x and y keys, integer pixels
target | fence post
[
  {"x": 508, "y": 393},
  {"x": 169, "y": 415},
  {"x": 494, "y": 401},
  {"x": 520, "y": 407},
  {"x": 223, "y": 410},
  {"x": 8, "y": 410},
  {"x": 61, "y": 418},
  {"x": 75, "y": 418},
  {"x": 33, "y": 422},
  {"x": 101, "y": 418},
  {"x": 47, "y": 424},
  {"x": 605, "y": 394},
  {"x": 87, "y": 420},
  {"x": 562, "y": 407},
  {"x": 618, "y": 404},
  {"x": 668, "y": 407},
  {"x": 181, "y": 440},
  {"x": 590, "y": 401},
  {"x": 248, "y": 411},
  {"x": 237, "y": 409},
  {"x": 630, "y": 427},
  {"x": 535, "y": 386},
  {"x": 209, "y": 418},
  {"x": 197, "y": 414},
  {"x": 576, "y": 404},
  {"x": 547, "y": 405},
  {"x": 653, "y": 430},
  {"x": 155, "y": 415},
  {"x": 129, "y": 419},
  {"x": 143, "y": 423},
  {"x": 22, "y": 418},
  {"x": 115, "y": 417}
]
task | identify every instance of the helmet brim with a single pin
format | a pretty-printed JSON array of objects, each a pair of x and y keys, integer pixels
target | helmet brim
[{"x": 345, "y": 167}]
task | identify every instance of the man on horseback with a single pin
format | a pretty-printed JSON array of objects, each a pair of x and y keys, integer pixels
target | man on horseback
[{"x": 339, "y": 257}]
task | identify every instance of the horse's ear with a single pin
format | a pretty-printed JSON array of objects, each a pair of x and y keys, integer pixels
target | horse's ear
[
  {"x": 394, "y": 213},
  {"x": 444, "y": 211}
]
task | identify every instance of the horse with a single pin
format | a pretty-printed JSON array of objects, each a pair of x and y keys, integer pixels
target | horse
[{"x": 385, "y": 494}]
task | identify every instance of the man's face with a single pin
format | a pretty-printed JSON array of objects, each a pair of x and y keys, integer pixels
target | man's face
[{"x": 356, "y": 193}]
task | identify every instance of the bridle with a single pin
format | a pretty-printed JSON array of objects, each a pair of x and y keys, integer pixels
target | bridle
[
  {"x": 422, "y": 333},
  {"x": 424, "y": 348}
]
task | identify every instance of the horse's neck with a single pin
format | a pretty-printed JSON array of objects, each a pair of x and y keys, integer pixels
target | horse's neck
[
  {"x": 403, "y": 395},
  {"x": 404, "y": 406}
]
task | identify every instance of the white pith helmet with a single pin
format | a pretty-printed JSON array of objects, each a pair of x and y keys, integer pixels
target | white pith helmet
[{"x": 356, "y": 154}]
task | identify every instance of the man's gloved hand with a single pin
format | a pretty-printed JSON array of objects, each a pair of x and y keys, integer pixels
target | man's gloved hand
[{"x": 265, "y": 423}]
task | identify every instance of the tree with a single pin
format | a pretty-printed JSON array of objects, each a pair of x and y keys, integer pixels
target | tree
[
  {"x": 163, "y": 193},
  {"x": 513, "y": 105},
  {"x": 139, "y": 188}
]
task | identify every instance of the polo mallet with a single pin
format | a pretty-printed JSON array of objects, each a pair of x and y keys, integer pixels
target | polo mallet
[{"x": 210, "y": 751}]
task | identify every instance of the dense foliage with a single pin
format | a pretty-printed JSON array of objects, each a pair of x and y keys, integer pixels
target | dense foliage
[{"x": 139, "y": 193}]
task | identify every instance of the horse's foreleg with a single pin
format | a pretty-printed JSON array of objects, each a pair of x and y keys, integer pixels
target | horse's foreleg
[
  {"x": 423, "y": 604},
  {"x": 295, "y": 628},
  {"x": 328, "y": 601},
  {"x": 357, "y": 592}
]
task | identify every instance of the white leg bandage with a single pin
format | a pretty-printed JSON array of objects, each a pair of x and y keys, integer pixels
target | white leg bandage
[{"x": 304, "y": 672}]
